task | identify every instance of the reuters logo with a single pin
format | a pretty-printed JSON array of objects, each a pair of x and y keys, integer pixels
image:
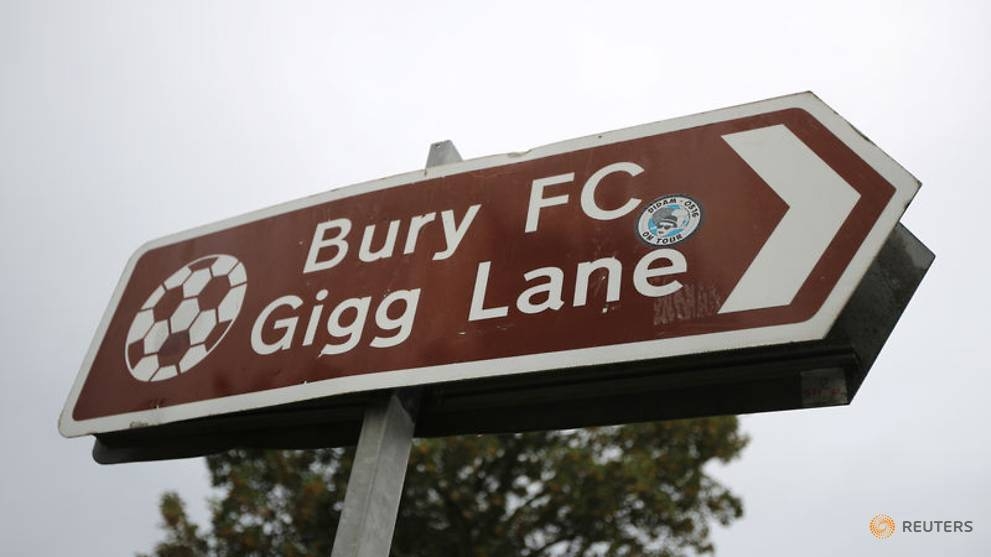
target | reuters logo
[{"x": 882, "y": 526}]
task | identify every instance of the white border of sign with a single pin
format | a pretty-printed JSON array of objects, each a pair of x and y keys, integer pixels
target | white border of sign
[{"x": 813, "y": 329}]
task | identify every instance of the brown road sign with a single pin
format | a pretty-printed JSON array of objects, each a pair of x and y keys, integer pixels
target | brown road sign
[{"x": 744, "y": 227}]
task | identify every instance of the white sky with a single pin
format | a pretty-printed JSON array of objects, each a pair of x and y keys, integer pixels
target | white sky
[{"x": 124, "y": 121}]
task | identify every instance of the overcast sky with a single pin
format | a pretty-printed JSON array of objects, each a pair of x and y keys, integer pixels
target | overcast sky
[{"x": 124, "y": 121}]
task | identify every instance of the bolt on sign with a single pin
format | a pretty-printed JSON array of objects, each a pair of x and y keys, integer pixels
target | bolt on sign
[{"x": 745, "y": 227}]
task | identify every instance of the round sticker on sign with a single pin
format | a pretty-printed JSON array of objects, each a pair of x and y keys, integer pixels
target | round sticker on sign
[{"x": 669, "y": 220}]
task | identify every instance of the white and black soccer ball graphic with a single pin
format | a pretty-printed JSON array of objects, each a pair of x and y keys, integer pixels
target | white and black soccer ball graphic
[{"x": 185, "y": 318}]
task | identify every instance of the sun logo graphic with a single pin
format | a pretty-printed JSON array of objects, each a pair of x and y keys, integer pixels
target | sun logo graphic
[
  {"x": 185, "y": 318},
  {"x": 882, "y": 526}
]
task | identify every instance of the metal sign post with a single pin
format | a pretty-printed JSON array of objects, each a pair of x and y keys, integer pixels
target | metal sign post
[{"x": 375, "y": 485}]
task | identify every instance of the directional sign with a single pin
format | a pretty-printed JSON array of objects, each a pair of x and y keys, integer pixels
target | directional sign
[{"x": 743, "y": 227}]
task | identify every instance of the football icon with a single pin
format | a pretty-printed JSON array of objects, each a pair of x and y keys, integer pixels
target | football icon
[{"x": 185, "y": 317}]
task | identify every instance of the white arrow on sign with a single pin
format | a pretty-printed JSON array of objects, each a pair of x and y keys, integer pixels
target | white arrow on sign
[{"x": 818, "y": 200}]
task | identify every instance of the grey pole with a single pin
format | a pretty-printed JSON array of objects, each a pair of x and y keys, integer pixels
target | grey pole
[
  {"x": 442, "y": 152},
  {"x": 375, "y": 485}
]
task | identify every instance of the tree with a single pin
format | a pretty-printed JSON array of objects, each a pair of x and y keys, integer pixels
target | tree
[{"x": 632, "y": 490}]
